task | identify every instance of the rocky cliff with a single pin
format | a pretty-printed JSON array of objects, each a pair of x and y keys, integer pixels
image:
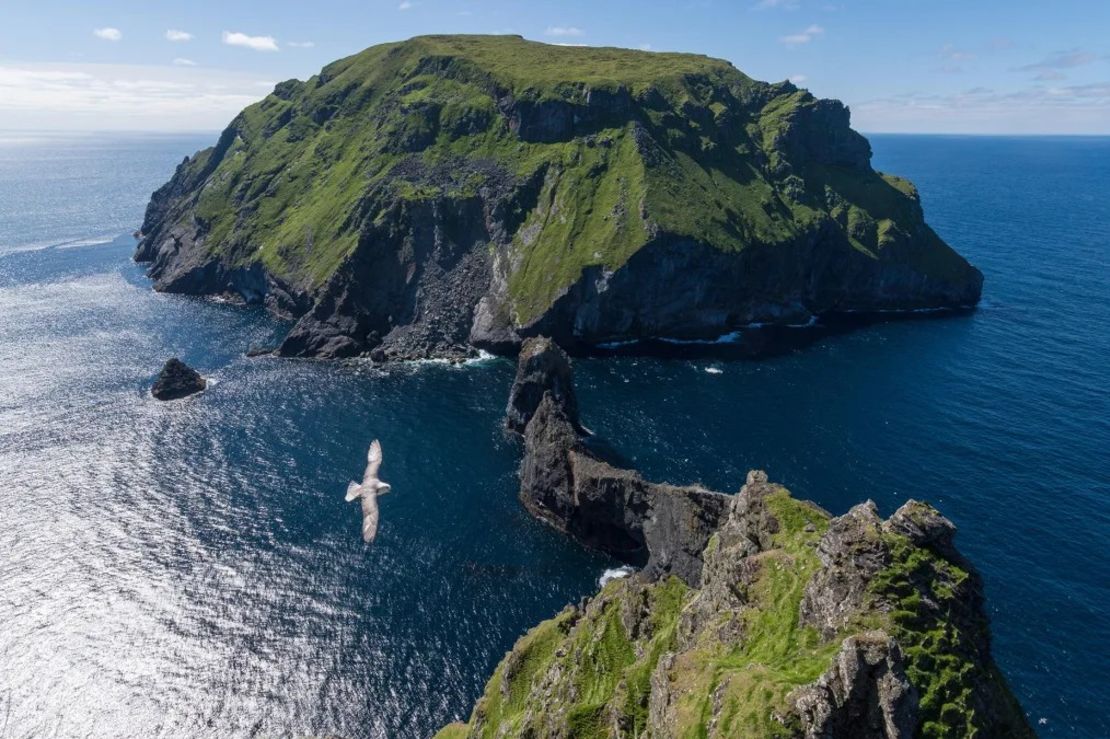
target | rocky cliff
[
  {"x": 451, "y": 192},
  {"x": 755, "y": 615}
]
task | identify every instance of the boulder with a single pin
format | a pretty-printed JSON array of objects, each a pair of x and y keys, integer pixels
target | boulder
[{"x": 177, "y": 380}]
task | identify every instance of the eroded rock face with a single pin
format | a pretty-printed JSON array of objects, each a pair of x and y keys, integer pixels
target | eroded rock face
[
  {"x": 662, "y": 528},
  {"x": 177, "y": 380},
  {"x": 653, "y": 658},
  {"x": 863, "y": 694},
  {"x": 541, "y": 367},
  {"x": 851, "y": 553}
]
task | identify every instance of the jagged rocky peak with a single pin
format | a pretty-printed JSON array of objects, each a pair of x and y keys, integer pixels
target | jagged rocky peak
[
  {"x": 565, "y": 481},
  {"x": 448, "y": 193},
  {"x": 542, "y": 367},
  {"x": 768, "y": 645}
]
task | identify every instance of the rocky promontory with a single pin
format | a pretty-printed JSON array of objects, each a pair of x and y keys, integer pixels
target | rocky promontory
[
  {"x": 755, "y": 614},
  {"x": 177, "y": 380},
  {"x": 449, "y": 193}
]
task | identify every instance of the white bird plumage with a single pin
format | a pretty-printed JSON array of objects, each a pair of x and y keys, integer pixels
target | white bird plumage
[{"x": 369, "y": 490}]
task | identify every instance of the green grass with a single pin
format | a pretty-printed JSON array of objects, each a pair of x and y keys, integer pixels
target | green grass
[
  {"x": 584, "y": 675},
  {"x": 311, "y": 167},
  {"x": 778, "y": 654}
]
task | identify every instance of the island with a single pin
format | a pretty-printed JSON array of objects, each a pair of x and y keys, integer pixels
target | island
[{"x": 448, "y": 194}]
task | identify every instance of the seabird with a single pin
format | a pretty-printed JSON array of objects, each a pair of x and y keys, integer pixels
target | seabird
[{"x": 369, "y": 491}]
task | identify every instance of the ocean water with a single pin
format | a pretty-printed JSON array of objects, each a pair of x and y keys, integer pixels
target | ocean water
[{"x": 191, "y": 568}]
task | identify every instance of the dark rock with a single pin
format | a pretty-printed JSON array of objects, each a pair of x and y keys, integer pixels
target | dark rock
[
  {"x": 661, "y": 528},
  {"x": 851, "y": 552},
  {"x": 541, "y": 367},
  {"x": 260, "y": 351},
  {"x": 863, "y": 694},
  {"x": 177, "y": 380},
  {"x": 924, "y": 526}
]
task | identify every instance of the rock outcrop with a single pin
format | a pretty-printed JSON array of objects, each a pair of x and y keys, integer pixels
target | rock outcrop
[
  {"x": 661, "y": 528},
  {"x": 755, "y": 614},
  {"x": 650, "y": 656},
  {"x": 541, "y": 367},
  {"x": 177, "y": 380},
  {"x": 448, "y": 193}
]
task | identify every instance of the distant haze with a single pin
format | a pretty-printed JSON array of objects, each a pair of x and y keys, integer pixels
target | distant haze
[{"x": 940, "y": 67}]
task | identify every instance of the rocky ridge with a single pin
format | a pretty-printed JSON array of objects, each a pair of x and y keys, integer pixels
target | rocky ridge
[
  {"x": 755, "y": 614},
  {"x": 449, "y": 193}
]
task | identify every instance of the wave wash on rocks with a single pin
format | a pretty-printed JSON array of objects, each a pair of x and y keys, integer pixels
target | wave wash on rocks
[
  {"x": 447, "y": 193},
  {"x": 755, "y": 614}
]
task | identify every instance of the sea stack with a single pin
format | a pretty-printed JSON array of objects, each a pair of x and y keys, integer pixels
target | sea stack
[{"x": 177, "y": 380}]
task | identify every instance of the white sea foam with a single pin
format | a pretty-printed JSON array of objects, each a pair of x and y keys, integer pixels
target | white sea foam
[
  {"x": 617, "y": 344},
  {"x": 810, "y": 322},
  {"x": 714, "y": 370},
  {"x": 614, "y": 574},
  {"x": 732, "y": 337},
  {"x": 483, "y": 356}
]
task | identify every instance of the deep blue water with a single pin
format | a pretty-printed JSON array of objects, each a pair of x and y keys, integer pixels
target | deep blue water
[{"x": 191, "y": 568}]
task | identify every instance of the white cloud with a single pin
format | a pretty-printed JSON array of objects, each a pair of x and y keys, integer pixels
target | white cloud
[
  {"x": 563, "y": 31},
  {"x": 954, "y": 54},
  {"x": 1060, "y": 60},
  {"x": 802, "y": 37},
  {"x": 175, "y": 35},
  {"x": 798, "y": 79},
  {"x": 122, "y": 96},
  {"x": 300, "y": 44},
  {"x": 258, "y": 43},
  {"x": 645, "y": 47},
  {"x": 405, "y": 5},
  {"x": 108, "y": 33},
  {"x": 182, "y": 62},
  {"x": 1075, "y": 109}
]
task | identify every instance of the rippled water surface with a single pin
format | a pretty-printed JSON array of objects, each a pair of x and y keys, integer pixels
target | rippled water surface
[{"x": 191, "y": 568}]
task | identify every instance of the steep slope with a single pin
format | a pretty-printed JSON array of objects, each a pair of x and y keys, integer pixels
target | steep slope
[
  {"x": 424, "y": 197},
  {"x": 804, "y": 626}
]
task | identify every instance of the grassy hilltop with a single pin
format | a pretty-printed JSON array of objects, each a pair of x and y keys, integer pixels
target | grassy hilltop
[{"x": 579, "y": 158}]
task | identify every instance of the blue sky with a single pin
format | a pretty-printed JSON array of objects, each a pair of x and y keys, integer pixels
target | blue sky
[{"x": 955, "y": 66}]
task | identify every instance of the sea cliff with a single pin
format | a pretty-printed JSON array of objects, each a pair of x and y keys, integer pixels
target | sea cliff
[{"x": 449, "y": 193}]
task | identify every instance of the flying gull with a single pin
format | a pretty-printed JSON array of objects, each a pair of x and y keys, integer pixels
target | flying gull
[{"x": 369, "y": 491}]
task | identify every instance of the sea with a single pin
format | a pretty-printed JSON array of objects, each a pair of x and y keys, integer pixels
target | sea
[{"x": 191, "y": 568}]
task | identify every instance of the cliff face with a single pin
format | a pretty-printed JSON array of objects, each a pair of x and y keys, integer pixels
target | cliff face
[
  {"x": 450, "y": 192},
  {"x": 755, "y": 614}
]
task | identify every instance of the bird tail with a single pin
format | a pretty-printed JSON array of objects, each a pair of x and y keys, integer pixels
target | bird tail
[{"x": 354, "y": 490}]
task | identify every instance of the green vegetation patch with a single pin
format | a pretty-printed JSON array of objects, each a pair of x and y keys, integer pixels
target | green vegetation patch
[
  {"x": 687, "y": 148},
  {"x": 777, "y": 654}
]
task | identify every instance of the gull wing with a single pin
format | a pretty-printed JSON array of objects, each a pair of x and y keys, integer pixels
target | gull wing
[
  {"x": 353, "y": 491},
  {"x": 373, "y": 461},
  {"x": 369, "y": 517}
]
